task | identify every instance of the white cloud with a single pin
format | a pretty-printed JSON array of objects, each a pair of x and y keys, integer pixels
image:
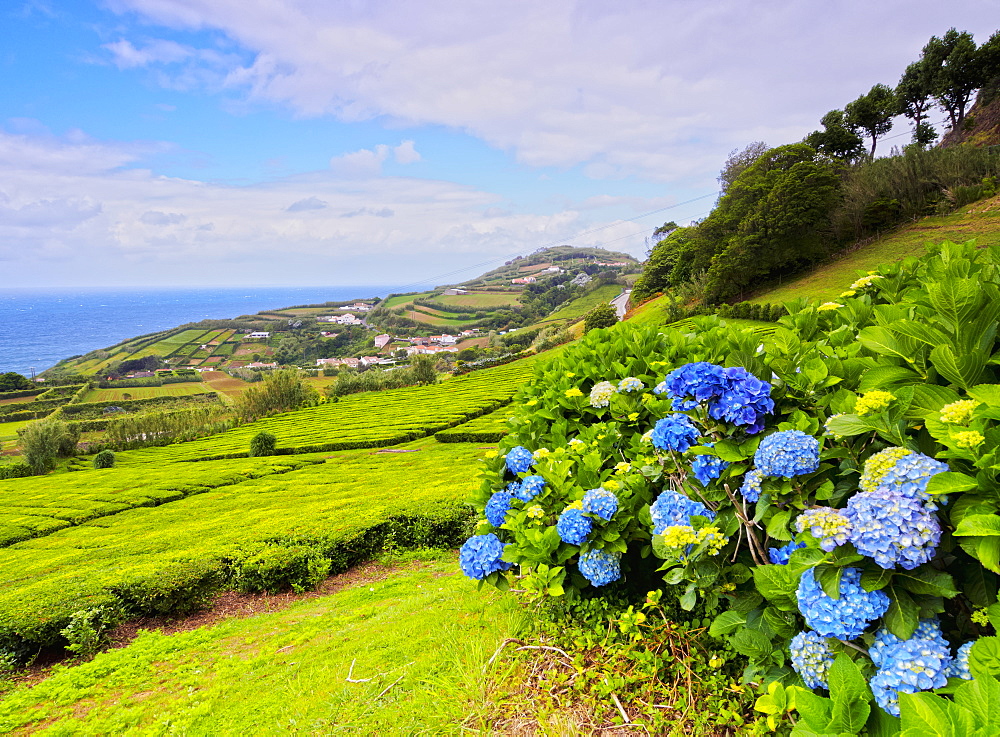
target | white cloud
[
  {"x": 660, "y": 90},
  {"x": 405, "y": 153},
  {"x": 126, "y": 56},
  {"x": 135, "y": 227}
]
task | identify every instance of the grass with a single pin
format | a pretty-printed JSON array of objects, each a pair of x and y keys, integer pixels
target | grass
[
  {"x": 422, "y": 635},
  {"x": 980, "y": 220},
  {"x": 8, "y": 434},
  {"x": 582, "y": 305},
  {"x": 484, "y": 300},
  {"x": 182, "y": 389}
]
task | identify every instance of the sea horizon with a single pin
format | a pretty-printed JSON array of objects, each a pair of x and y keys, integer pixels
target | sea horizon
[{"x": 43, "y": 325}]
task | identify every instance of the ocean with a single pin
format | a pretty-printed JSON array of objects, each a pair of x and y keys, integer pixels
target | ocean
[{"x": 39, "y": 327}]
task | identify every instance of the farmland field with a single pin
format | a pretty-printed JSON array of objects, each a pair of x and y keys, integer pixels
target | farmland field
[
  {"x": 436, "y": 320},
  {"x": 155, "y": 554},
  {"x": 486, "y": 300},
  {"x": 372, "y": 419},
  {"x": 182, "y": 389},
  {"x": 582, "y": 305},
  {"x": 223, "y": 383}
]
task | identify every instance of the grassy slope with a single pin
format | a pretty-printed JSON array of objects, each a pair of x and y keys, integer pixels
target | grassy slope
[
  {"x": 287, "y": 671},
  {"x": 980, "y": 220},
  {"x": 582, "y": 305}
]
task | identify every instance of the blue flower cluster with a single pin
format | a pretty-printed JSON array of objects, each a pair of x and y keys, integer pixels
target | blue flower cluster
[
  {"x": 672, "y": 509},
  {"x": 480, "y": 556},
  {"x": 708, "y": 467},
  {"x": 674, "y": 432},
  {"x": 781, "y": 556},
  {"x": 519, "y": 459},
  {"x": 787, "y": 453},
  {"x": 811, "y": 658},
  {"x": 893, "y": 529},
  {"x": 960, "y": 663},
  {"x": 846, "y": 617},
  {"x": 737, "y": 395},
  {"x": 751, "y": 485},
  {"x": 907, "y": 666},
  {"x": 630, "y": 384},
  {"x": 600, "y": 567},
  {"x": 530, "y": 487},
  {"x": 497, "y": 507},
  {"x": 826, "y": 524},
  {"x": 600, "y": 502},
  {"x": 910, "y": 474},
  {"x": 573, "y": 527}
]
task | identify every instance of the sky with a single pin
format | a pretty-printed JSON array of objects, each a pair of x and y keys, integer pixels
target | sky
[{"x": 324, "y": 142}]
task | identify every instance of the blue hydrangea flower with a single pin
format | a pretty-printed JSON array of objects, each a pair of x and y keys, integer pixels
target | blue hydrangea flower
[
  {"x": 811, "y": 658},
  {"x": 781, "y": 556},
  {"x": 600, "y": 567},
  {"x": 826, "y": 524},
  {"x": 573, "y": 527},
  {"x": 519, "y": 459},
  {"x": 751, "y": 485},
  {"x": 530, "y": 487},
  {"x": 600, "y": 502},
  {"x": 630, "y": 384},
  {"x": 672, "y": 509},
  {"x": 660, "y": 388},
  {"x": 787, "y": 453},
  {"x": 893, "y": 529},
  {"x": 708, "y": 467},
  {"x": 910, "y": 474},
  {"x": 480, "y": 556},
  {"x": 514, "y": 488},
  {"x": 745, "y": 400},
  {"x": 960, "y": 663},
  {"x": 674, "y": 432},
  {"x": 883, "y": 646},
  {"x": 497, "y": 507},
  {"x": 700, "y": 380},
  {"x": 845, "y": 618},
  {"x": 909, "y": 666}
]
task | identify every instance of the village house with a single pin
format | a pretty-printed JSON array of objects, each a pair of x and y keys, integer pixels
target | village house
[
  {"x": 455, "y": 291},
  {"x": 429, "y": 350},
  {"x": 524, "y": 280},
  {"x": 361, "y": 307},
  {"x": 444, "y": 339},
  {"x": 348, "y": 319},
  {"x": 381, "y": 341},
  {"x": 260, "y": 335},
  {"x": 259, "y": 365}
]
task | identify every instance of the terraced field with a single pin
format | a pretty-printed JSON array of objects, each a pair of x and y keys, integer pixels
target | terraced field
[
  {"x": 369, "y": 420},
  {"x": 158, "y": 558},
  {"x": 39, "y": 505},
  {"x": 182, "y": 389},
  {"x": 488, "y": 428}
]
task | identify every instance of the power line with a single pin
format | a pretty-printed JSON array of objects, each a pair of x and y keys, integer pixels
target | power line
[{"x": 437, "y": 278}]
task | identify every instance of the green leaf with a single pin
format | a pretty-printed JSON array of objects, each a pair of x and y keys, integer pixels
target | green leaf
[
  {"x": 849, "y": 425},
  {"x": 980, "y": 525},
  {"x": 880, "y": 340},
  {"x": 988, "y": 394},
  {"x": 689, "y": 599},
  {"x": 962, "y": 370},
  {"x": 984, "y": 549},
  {"x": 729, "y": 451},
  {"x": 752, "y": 643},
  {"x": 850, "y": 695},
  {"x": 777, "y": 526},
  {"x": 926, "y": 713},
  {"x": 875, "y": 578},
  {"x": 903, "y": 614},
  {"x": 726, "y": 622},
  {"x": 814, "y": 710},
  {"x": 776, "y": 585},
  {"x": 984, "y": 658},
  {"x": 828, "y": 577},
  {"x": 881, "y": 724},
  {"x": 950, "y": 482},
  {"x": 928, "y": 581},
  {"x": 928, "y": 399},
  {"x": 981, "y": 697},
  {"x": 883, "y": 377}
]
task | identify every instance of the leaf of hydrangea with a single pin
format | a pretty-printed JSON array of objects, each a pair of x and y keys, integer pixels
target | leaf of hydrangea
[
  {"x": 926, "y": 580},
  {"x": 875, "y": 578},
  {"x": 979, "y": 525},
  {"x": 849, "y": 425},
  {"x": 981, "y": 697},
  {"x": 850, "y": 695},
  {"x": 903, "y": 615},
  {"x": 777, "y": 526},
  {"x": 814, "y": 710},
  {"x": 988, "y": 394},
  {"x": 984, "y": 659},
  {"x": 752, "y": 643},
  {"x": 927, "y": 714},
  {"x": 776, "y": 585},
  {"x": 828, "y": 577},
  {"x": 984, "y": 549},
  {"x": 950, "y": 482},
  {"x": 726, "y": 622}
]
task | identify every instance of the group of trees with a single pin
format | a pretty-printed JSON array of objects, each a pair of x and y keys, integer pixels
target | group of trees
[
  {"x": 14, "y": 382},
  {"x": 948, "y": 73},
  {"x": 782, "y": 209}
]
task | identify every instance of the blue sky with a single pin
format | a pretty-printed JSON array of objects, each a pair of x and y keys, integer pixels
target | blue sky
[{"x": 284, "y": 142}]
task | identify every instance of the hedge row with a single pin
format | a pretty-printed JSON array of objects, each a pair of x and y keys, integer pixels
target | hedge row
[
  {"x": 71, "y": 410},
  {"x": 22, "y": 393}
]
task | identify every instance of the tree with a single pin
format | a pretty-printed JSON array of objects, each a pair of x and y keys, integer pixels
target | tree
[
  {"x": 913, "y": 94},
  {"x": 280, "y": 391},
  {"x": 989, "y": 66},
  {"x": 422, "y": 369},
  {"x": 43, "y": 441},
  {"x": 737, "y": 162},
  {"x": 602, "y": 316},
  {"x": 838, "y": 139},
  {"x": 956, "y": 72},
  {"x": 13, "y": 382},
  {"x": 873, "y": 113}
]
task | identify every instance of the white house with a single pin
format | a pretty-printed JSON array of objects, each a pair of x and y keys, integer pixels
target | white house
[
  {"x": 361, "y": 306},
  {"x": 258, "y": 336},
  {"x": 348, "y": 319},
  {"x": 524, "y": 280},
  {"x": 455, "y": 291},
  {"x": 381, "y": 341}
]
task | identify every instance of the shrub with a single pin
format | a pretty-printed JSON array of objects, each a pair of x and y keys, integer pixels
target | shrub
[
  {"x": 602, "y": 316},
  {"x": 104, "y": 459},
  {"x": 263, "y": 444},
  {"x": 43, "y": 441}
]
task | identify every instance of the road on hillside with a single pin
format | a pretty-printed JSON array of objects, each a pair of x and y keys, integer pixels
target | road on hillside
[{"x": 620, "y": 303}]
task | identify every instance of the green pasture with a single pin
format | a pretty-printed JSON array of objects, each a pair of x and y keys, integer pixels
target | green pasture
[
  {"x": 158, "y": 556},
  {"x": 402, "y": 300},
  {"x": 417, "y": 639},
  {"x": 484, "y": 300},
  {"x": 582, "y": 305},
  {"x": 182, "y": 389},
  {"x": 827, "y": 281}
]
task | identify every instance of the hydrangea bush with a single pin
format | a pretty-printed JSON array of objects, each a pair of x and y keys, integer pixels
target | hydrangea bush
[{"x": 829, "y": 490}]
